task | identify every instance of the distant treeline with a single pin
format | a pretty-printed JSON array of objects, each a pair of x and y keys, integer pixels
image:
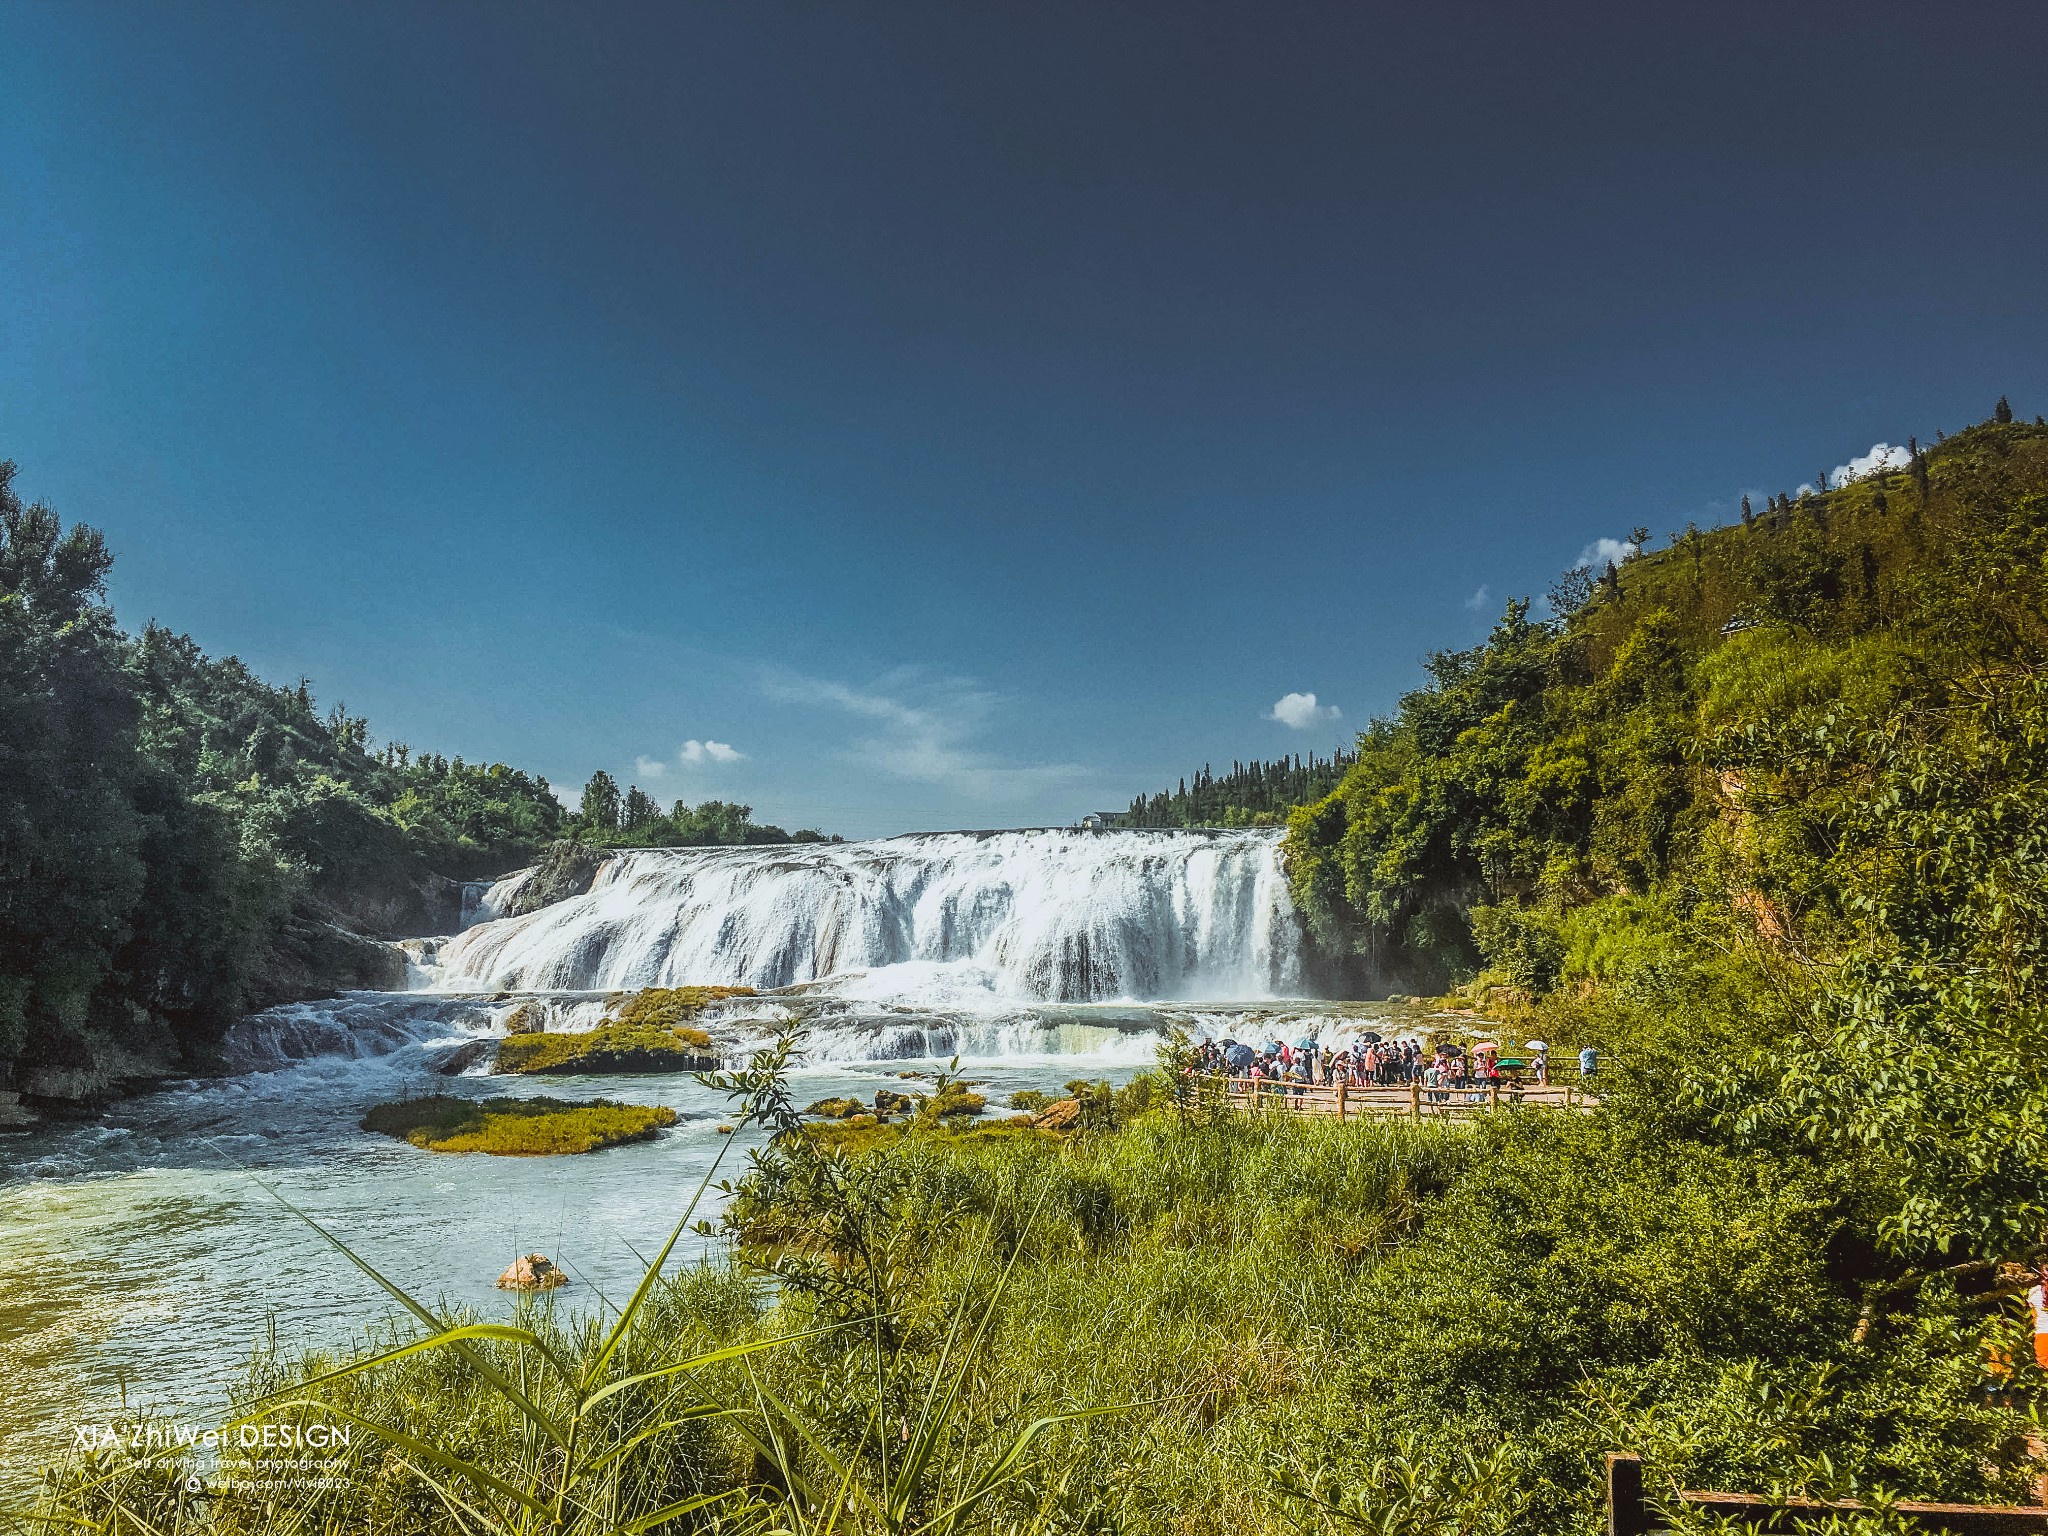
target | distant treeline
[
  {"x": 636, "y": 820},
  {"x": 1250, "y": 795}
]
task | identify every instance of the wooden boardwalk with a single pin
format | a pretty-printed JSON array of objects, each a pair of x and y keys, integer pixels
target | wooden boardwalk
[{"x": 1406, "y": 1101}]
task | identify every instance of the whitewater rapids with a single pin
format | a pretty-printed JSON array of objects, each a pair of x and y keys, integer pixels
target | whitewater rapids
[{"x": 1047, "y": 916}]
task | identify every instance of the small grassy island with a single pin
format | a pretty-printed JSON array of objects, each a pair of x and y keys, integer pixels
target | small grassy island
[
  {"x": 645, "y": 1033},
  {"x": 517, "y": 1127}
]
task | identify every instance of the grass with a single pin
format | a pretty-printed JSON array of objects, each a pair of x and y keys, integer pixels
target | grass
[
  {"x": 1239, "y": 1326},
  {"x": 516, "y": 1127}
]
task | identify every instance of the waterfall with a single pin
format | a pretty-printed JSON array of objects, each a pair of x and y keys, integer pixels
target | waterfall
[{"x": 1053, "y": 916}]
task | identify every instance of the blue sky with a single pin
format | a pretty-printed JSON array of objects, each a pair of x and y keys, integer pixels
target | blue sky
[{"x": 966, "y": 415}]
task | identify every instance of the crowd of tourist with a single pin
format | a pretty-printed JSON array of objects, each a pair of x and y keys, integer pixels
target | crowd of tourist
[{"x": 1368, "y": 1061}]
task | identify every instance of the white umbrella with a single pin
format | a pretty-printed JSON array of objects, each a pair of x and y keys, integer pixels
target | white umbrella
[{"x": 1539, "y": 1045}]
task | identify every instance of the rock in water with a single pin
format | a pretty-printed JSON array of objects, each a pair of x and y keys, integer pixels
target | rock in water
[
  {"x": 535, "y": 1272},
  {"x": 461, "y": 1058}
]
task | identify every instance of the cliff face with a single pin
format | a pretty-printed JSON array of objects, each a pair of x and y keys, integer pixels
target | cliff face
[
  {"x": 564, "y": 869},
  {"x": 315, "y": 956}
]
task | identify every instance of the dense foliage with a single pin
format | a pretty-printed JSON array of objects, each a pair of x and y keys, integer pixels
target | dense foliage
[{"x": 175, "y": 832}]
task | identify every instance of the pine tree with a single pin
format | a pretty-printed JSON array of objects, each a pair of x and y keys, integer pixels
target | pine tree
[
  {"x": 1748, "y": 516},
  {"x": 2003, "y": 413}
]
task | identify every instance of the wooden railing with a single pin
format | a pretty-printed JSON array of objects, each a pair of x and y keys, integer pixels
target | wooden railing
[
  {"x": 1409, "y": 1101},
  {"x": 1630, "y": 1513}
]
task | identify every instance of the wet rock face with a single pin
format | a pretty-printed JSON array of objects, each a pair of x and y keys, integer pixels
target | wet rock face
[
  {"x": 564, "y": 870},
  {"x": 311, "y": 958},
  {"x": 104, "y": 1069},
  {"x": 535, "y": 1272}
]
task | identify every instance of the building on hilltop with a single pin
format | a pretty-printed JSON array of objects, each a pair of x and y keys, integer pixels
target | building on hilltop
[{"x": 1101, "y": 821}]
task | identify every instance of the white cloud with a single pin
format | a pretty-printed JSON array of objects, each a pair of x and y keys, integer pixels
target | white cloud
[
  {"x": 922, "y": 729},
  {"x": 1597, "y": 554},
  {"x": 1478, "y": 599},
  {"x": 694, "y": 752},
  {"x": 1881, "y": 456},
  {"x": 649, "y": 767},
  {"x": 1299, "y": 711}
]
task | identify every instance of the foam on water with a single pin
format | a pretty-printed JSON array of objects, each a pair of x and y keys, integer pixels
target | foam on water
[{"x": 1052, "y": 916}]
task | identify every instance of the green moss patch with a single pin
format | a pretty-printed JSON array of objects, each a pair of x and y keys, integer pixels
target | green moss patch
[
  {"x": 671, "y": 1007},
  {"x": 645, "y": 1033},
  {"x": 836, "y": 1109},
  {"x": 516, "y": 1127},
  {"x": 608, "y": 1048}
]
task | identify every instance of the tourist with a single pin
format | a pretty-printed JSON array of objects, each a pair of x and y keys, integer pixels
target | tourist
[
  {"x": 2037, "y": 1298},
  {"x": 1589, "y": 1061}
]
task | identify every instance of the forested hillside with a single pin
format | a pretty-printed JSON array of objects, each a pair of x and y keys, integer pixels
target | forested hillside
[
  {"x": 181, "y": 841},
  {"x": 1681, "y": 734}
]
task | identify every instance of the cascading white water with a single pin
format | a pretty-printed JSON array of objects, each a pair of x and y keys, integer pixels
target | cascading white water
[{"x": 1046, "y": 915}]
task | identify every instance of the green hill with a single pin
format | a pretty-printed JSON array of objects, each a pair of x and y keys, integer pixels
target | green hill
[{"x": 1594, "y": 761}]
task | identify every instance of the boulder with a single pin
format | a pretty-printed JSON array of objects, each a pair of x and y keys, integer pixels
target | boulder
[
  {"x": 459, "y": 1059},
  {"x": 529, "y": 1018},
  {"x": 564, "y": 869},
  {"x": 1062, "y": 1115},
  {"x": 887, "y": 1103},
  {"x": 535, "y": 1272},
  {"x": 834, "y": 1109}
]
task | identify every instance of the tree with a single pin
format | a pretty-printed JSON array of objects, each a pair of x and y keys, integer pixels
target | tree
[
  {"x": 71, "y": 870},
  {"x": 601, "y": 805},
  {"x": 2002, "y": 414},
  {"x": 640, "y": 809}
]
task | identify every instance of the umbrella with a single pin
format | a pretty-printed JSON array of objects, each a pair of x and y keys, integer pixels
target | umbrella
[
  {"x": 1539, "y": 1045},
  {"x": 1452, "y": 1050},
  {"x": 1272, "y": 1047},
  {"x": 1513, "y": 1061},
  {"x": 1370, "y": 1036},
  {"x": 1307, "y": 1043},
  {"x": 1484, "y": 1045},
  {"x": 1241, "y": 1055}
]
